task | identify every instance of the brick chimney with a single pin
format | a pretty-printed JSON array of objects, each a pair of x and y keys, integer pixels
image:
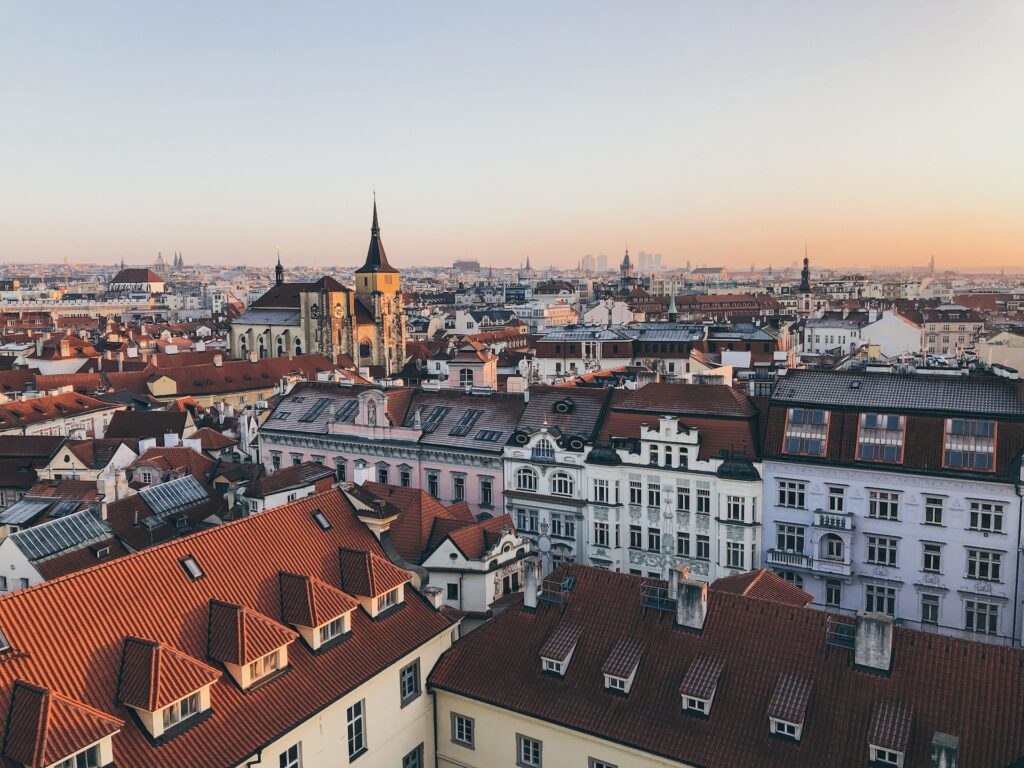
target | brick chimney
[
  {"x": 691, "y": 604},
  {"x": 873, "y": 643}
]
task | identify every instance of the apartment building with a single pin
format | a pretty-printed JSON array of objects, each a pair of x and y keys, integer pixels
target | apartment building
[
  {"x": 899, "y": 493},
  {"x": 950, "y": 328}
]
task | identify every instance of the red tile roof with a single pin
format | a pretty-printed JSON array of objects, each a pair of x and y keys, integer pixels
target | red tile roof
[
  {"x": 239, "y": 635},
  {"x": 697, "y": 399},
  {"x": 890, "y": 726},
  {"x": 624, "y": 657},
  {"x": 212, "y": 440},
  {"x": 756, "y": 641},
  {"x": 295, "y": 476},
  {"x": 418, "y": 512},
  {"x": 17, "y": 414},
  {"x": 44, "y": 727},
  {"x": 136, "y": 275},
  {"x": 763, "y": 584},
  {"x": 174, "y": 459},
  {"x": 790, "y": 698},
  {"x": 475, "y": 540},
  {"x": 143, "y": 424},
  {"x": 701, "y": 677},
  {"x": 309, "y": 602},
  {"x": 155, "y": 675},
  {"x": 368, "y": 574},
  {"x": 561, "y": 642},
  {"x": 96, "y": 454},
  {"x": 80, "y": 558}
]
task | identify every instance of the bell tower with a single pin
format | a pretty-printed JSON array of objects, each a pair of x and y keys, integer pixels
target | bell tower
[{"x": 379, "y": 291}]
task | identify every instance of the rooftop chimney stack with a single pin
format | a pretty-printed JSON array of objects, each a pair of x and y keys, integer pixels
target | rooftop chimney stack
[
  {"x": 873, "y": 643},
  {"x": 944, "y": 750},
  {"x": 691, "y": 603},
  {"x": 530, "y": 585}
]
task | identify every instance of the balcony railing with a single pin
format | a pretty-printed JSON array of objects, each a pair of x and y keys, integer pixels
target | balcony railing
[
  {"x": 837, "y": 521},
  {"x": 789, "y": 559},
  {"x": 798, "y": 560}
]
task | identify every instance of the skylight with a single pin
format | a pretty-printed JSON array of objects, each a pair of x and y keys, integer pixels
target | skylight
[
  {"x": 436, "y": 415},
  {"x": 469, "y": 418},
  {"x": 488, "y": 435},
  {"x": 316, "y": 410},
  {"x": 192, "y": 567},
  {"x": 321, "y": 520},
  {"x": 4, "y": 645},
  {"x": 346, "y": 410}
]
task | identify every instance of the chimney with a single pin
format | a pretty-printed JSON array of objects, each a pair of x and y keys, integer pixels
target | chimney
[
  {"x": 362, "y": 473},
  {"x": 218, "y": 360},
  {"x": 676, "y": 574},
  {"x": 435, "y": 596},
  {"x": 146, "y": 443},
  {"x": 691, "y": 604},
  {"x": 120, "y": 362},
  {"x": 944, "y": 750},
  {"x": 873, "y": 643},
  {"x": 39, "y": 346},
  {"x": 171, "y": 440},
  {"x": 253, "y": 356},
  {"x": 530, "y": 585}
]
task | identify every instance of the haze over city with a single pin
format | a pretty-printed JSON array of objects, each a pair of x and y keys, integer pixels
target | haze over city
[{"x": 876, "y": 133}]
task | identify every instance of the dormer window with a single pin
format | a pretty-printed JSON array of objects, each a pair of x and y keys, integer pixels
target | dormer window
[
  {"x": 558, "y": 649},
  {"x": 806, "y": 432},
  {"x": 252, "y": 647},
  {"x": 320, "y": 612},
  {"x": 788, "y": 706},
  {"x": 782, "y": 728},
  {"x": 550, "y": 665},
  {"x": 889, "y": 757},
  {"x": 889, "y": 735},
  {"x": 388, "y": 600},
  {"x": 89, "y": 758},
  {"x": 180, "y": 711},
  {"x": 334, "y": 629},
  {"x": 619, "y": 669},
  {"x": 697, "y": 706},
  {"x": 700, "y": 684},
  {"x": 265, "y": 665}
]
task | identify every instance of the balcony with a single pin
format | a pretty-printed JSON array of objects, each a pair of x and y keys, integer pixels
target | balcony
[
  {"x": 789, "y": 559},
  {"x": 832, "y": 567},
  {"x": 836, "y": 521},
  {"x": 542, "y": 456}
]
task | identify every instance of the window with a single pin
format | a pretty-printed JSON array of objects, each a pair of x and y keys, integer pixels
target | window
[
  {"x": 792, "y": 494},
  {"x": 636, "y": 537},
  {"x": 683, "y": 499},
  {"x": 970, "y": 444},
  {"x": 433, "y": 484},
  {"x": 881, "y": 550},
  {"x": 453, "y": 590},
  {"x": 146, "y": 477},
  {"x": 601, "y": 491},
  {"x": 191, "y": 567},
  {"x": 932, "y": 558},
  {"x": 527, "y": 752},
  {"x": 382, "y": 474},
  {"x": 930, "y": 609},
  {"x": 884, "y": 505},
  {"x": 981, "y": 617},
  {"x": 265, "y": 665},
  {"x": 486, "y": 492},
  {"x": 793, "y": 578},
  {"x": 790, "y": 538},
  {"x": 409, "y": 682},
  {"x": 736, "y": 507},
  {"x": 275, "y": 460},
  {"x": 414, "y": 759},
  {"x": 933, "y": 510},
  {"x": 783, "y": 728},
  {"x": 880, "y": 438},
  {"x": 526, "y": 479},
  {"x": 703, "y": 547},
  {"x": 700, "y": 706},
  {"x": 683, "y": 544},
  {"x": 355, "y": 717},
  {"x": 653, "y": 495},
  {"x": 880, "y": 756},
  {"x": 296, "y": 459},
  {"x": 653, "y": 453},
  {"x": 552, "y": 665},
  {"x": 595, "y": 763},
  {"x": 180, "y": 710},
  {"x": 388, "y": 600},
  {"x": 404, "y": 477},
  {"x": 703, "y": 501},
  {"x": 734, "y": 554},
  {"x": 562, "y": 484},
  {"x": 836, "y": 498},
  {"x": 832, "y": 547},
  {"x": 340, "y": 467},
  {"x": 292, "y": 496},
  {"x": 833, "y": 592},
  {"x": 544, "y": 450},
  {"x": 465, "y": 377},
  {"x": 600, "y": 534},
  {"x": 462, "y": 730},
  {"x": 986, "y": 516},
  {"x": 806, "y": 432},
  {"x": 90, "y": 758},
  {"x": 880, "y": 599},
  {"x": 636, "y": 492},
  {"x": 654, "y": 539},
  {"x": 984, "y": 565},
  {"x": 459, "y": 487}
]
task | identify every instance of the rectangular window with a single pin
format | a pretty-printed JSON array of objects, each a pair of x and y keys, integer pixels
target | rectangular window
[
  {"x": 601, "y": 491},
  {"x": 933, "y": 510},
  {"x": 981, "y": 617},
  {"x": 265, "y": 666},
  {"x": 404, "y": 477},
  {"x": 459, "y": 488},
  {"x": 703, "y": 501},
  {"x": 880, "y": 438},
  {"x": 929, "y": 609},
  {"x": 654, "y": 539},
  {"x": 683, "y": 498},
  {"x": 986, "y": 516},
  {"x": 654, "y": 495},
  {"x": 275, "y": 460},
  {"x": 736, "y": 507},
  {"x": 881, "y": 550},
  {"x": 340, "y": 469},
  {"x": 806, "y": 432},
  {"x": 595, "y": 763},
  {"x": 291, "y": 757},
  {"x": 409, "y": 682},
  {"x": 528, "y": 752},
  {"x": 984, "y": 565},
  {"x": 463, "y": 730},
  {"x": 884, "y": 505},
  {"x": 880, "y": 756},
  {"x": 382, "y": 474},
  {"x": 356, "y": 718},
  {"x": 833, "y": 592},
  {"x": 486, "y": 492},
  {"x": 970, "y": 444},
  {"x": 636, "y": 492},
  {"x": 683, "y": 544},
  {"x": 600, "y": 534},
  {"x": 880, "y": 599},
  {"x": 793, "y": 494},
  {"x": 836, "y": 498},
  {"x": 296, "y": 459},
  {"x": 453, "y": 590},
  {"x": 932, "y": 558},
  {"x": 332, "y": 629},
  {"x": 414, "y": 759},
  {"x": 790, "y": 538},
  {"x": 734, "y": 554},
  {"x": 556, "y": 525},
  {"x": 703, "y": 547},
  {"x": 433, "y": 484},
  {"x": 387, "y": 600},
  {"x": 636, "y": 537},
  {"x": 180, "y": 710}
]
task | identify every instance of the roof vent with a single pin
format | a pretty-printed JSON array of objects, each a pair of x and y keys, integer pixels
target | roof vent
[{"x": 855, "y": 384}]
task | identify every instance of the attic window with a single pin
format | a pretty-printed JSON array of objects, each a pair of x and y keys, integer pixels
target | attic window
[
  {"x": 565, "y": 405},
  {"x": 387, "y": 600},
  {"x": 550, "y": 665},
  {"x": 192, "y": 567},
  {"x": 102, "y": 552},
  {"x": 321, "y": 520},
  {"x": 697, "y": 706},
  {"x": 488, "y": 435},
  {"x": 882, "y": 756},
  {"x": 4, "y": 645}
]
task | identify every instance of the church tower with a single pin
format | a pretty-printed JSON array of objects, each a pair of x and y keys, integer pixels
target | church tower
[
  {"x": 805, "y": 301},
  {"x": 379, "y": 291}
]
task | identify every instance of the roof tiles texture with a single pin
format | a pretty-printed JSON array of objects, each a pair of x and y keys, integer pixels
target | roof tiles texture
[{"x": 155, "y": 675}]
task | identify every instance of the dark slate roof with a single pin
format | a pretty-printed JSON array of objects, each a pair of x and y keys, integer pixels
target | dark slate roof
[
  {"x": 992, "y": 396},
  {"x": 376, "y": 259},
  {"x": 581, "y": 410},
  {"x": 142, "y": 424}
]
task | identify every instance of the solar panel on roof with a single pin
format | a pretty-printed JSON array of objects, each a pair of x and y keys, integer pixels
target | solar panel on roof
[
  {"x": 316, "y": 410},
  {"x": 58, "y": 535},
  {"x": 23, "y": 510},
  {"x": 176, "y": 494}
]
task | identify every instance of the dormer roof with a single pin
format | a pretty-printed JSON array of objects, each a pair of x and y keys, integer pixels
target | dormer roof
[
  {"x": 238, "y": 635},
  {"x": 44, "y": 727},
  {"x": 155, "y": 675},
  {"x": 560, "y": 643},
  {"x": 890, "y": 726},
  {"x": 624, "y": 658},
  {"x": 790, "y": 697},
  {"x": 308, "y": 602},
  {"x": 701, "y": 677},
  {"x": 367, "y": 574}
]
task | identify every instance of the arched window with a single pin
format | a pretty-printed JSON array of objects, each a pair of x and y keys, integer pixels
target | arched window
[
  {"x": 832, "y": 547},
  {"x": 544, "y": 450},
  {"x": 466, "y": 377},
  {"x": 562, "y": 484},
  {"x": 364, "y": 349},
  {"x": 298, "y": 346},
  {"x": 526, "y": 479}
]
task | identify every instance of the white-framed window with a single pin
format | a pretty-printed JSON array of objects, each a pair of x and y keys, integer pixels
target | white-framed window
[
  {"x": 600, "y": 534},
  {"x": 882, "y": 756},
  {"x": 463, "y": 730},
  {"x": 734, "y": 554},
  {"x": 526, "y": 479},
  {"x": 593, "y": 762},
  {"x": 880, "y": 438},
  {"x": 884, "y": 505},
  {"x": 700, "y": 706},
  {"x": 332, "y": 629},
  {"x": 636, "y": 537},
  {"x": 929, "y": 609},
  {"x": 552, "y": 665},
  {"x": 355, "y": 718},
  {"x": 434, "y": 484},
  {"x": 544, "y": 450},
  {"x": 146, "y": 476},
  {"x": 265, "y": 665},
  {"x": 932, "y": 556},
  {"x": 882, "y": 550},
  {"x": 790, "y": 538},
  {"x": 783, "y": 728},
  {"x": 414, "y": 759},
  {"x": 653, "y": 495},
  {"x": 793, "y": 494},
  {"x": 683, "y": 498},
  {"x": 984, "y": 565},
  {"x": 933, "y": 506},
  {"x": 806, "y": 432},
  {"x": 88, "y": 758},
  {"x": 465, "y": 377},
  {"x": 409, "y": 682},
  {"x": 636, "y": 492},
  {"x": 981, "y": 616},
  {"x": 703, "y": 501},
  {"x": 736, "y": 508},
  {"x": 832, "y": 547},
  {"x": 703, "y": 547},
  {"x": 614, "y": 683},
  {"x": 836, "y": 498},
  {"x": 388, "y": 600},
  {"x": 459, "y": 487},
  {"x": 562, "y": 484},
  {"x": 291, "y": 757},
  {"x": 986, "y": 516},
  {"x": 601, "y": 491},
  {"x": 181, "y": 710},
  {"x": 528, "y": 752},
  {"x": 833, "y": 592},
  {"x": 880, "y": 599},
  {"x": 486, "y": 492},
  {"x": 683, "y": 543},
  {"x": 654, "y": 539}
]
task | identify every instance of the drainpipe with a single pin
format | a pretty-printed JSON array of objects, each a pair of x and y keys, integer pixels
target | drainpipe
[{"x": 1019, "y": 487}]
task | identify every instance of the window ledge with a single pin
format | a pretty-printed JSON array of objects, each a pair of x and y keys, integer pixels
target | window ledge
[{"x": 357, "y": 755}]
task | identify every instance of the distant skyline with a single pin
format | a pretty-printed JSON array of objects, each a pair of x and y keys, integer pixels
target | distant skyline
[{"x": 878, "y": 133}]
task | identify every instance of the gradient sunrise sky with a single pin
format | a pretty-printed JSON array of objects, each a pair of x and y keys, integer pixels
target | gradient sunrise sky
[{"x": 878, "y": 132}]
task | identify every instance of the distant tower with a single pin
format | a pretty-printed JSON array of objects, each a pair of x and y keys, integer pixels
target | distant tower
[
  {"x": 673, "y": 313},
  {"x": 805, "y": 302},
  {"x": 279, "y": 271},
  {"x": 931, "y": 266},
  {"x": 379, "y": 290},
  {"x": 161, "y": 265}
]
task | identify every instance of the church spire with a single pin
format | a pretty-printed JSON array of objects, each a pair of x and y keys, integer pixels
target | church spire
[
  {"x": 805, "y": 274},
  {"x": 279, "y": 270},
  {"x": 376, "y": 259}
]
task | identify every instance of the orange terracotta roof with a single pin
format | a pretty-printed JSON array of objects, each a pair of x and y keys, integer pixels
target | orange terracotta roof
[
  {"x": 367, "y": 574},
  {"x": 476, "y": 539},
  {"x": 417, "y": 513},
  {"x": 239, "y": 635},
  {"x": 763, "y": 584},
  {"x": 18, "y": 414},
  {"x": 176, "y": 458},
  {"x": 309, "y": 602},
  {"x": 212, "y": 440},
  {"x": 155, "y": 675}
]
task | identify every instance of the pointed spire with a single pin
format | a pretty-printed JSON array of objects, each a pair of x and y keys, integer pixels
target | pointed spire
[
  {"x": 375, "y": 227},
  {"x": 279, "y": 270},
  {"x": 376, "y": 259}
]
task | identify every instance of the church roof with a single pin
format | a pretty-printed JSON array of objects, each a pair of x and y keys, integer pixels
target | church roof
[{"x": 376, "y": 259}]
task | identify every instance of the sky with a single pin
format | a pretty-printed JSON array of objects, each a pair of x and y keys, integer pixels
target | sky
[{"x": 733, "y": 133}]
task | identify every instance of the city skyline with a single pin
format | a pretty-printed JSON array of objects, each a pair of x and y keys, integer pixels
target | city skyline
[{"x": 878, "y": 135}]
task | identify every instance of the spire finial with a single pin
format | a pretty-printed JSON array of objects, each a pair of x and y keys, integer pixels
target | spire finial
[{"x": 375, "y": 227}]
